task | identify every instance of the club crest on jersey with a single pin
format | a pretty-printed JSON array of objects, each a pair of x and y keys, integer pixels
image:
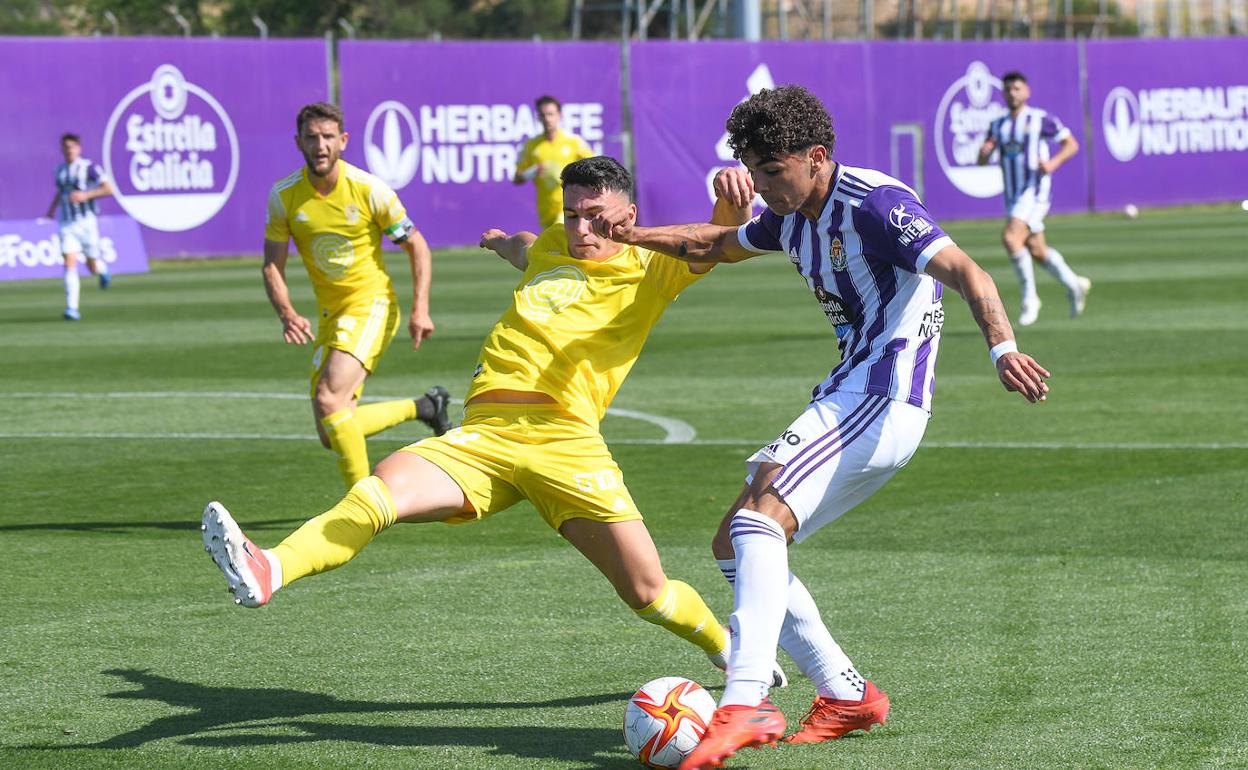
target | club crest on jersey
[{"x": 837, "y": 256}]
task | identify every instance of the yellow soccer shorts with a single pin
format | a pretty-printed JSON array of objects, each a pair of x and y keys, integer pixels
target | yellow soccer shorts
[
  {"x": 505, "y": 453},
  {"x": 362, "y": 329}
]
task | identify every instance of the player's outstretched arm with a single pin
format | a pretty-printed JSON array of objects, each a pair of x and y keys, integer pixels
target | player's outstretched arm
[
  {"x": 1017, "y": 371},
  {"x": 420, "y": 324},
  {"x": 295, "y": 328},
  {"x": 54, "y": 205},
  {"x": 513, "y": 248},
  {"x": 693, "y": 243},
  {"x": 1069, "y": 147}
]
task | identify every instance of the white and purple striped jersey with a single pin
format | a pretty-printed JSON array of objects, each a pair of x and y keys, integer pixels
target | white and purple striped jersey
[
  {"x": 82, "y": 175},
  {"x": 863, "y": 260},
  {"x": 1022, "y": 142}
]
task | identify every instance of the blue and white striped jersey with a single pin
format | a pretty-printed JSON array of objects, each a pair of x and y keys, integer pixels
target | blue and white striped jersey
[
  {"x": 83, "y": 175},
  {"x": 863, "y": 260},
  {"x": 1022, "y": 142}
]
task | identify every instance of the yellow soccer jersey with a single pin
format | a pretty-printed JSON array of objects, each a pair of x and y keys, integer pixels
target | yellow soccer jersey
[
  {"x": 338, "y": 235},
  {"x": 576, "y": 327},
  {"x": 554, "y": 155}
]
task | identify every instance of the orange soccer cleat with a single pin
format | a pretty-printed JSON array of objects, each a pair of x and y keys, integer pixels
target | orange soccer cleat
[
  {"x": 247, "y": 570},
  {"x": 733, "y": 728},
  {"x": 829, "y": 719}
]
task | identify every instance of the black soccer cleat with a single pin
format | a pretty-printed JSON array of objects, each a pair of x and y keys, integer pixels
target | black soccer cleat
[{"x": 439, "y": 422}]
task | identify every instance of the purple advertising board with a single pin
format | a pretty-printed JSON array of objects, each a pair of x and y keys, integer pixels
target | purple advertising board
[
  {"x": 443, "y": 123},
  {"x": 1171, "y": 120},
  {"x": 682, "y": 94},
  {"x": 31, "y": 248},
  {"x": 917, "y": 111},
  {"x": 192, "y": 132}
]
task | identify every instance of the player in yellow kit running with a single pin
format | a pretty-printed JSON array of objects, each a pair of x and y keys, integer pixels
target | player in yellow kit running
[
  {"x": 544, "y": 158},
  {"x": 336, "y": 215},
  {"x": 548, "y": 370}
]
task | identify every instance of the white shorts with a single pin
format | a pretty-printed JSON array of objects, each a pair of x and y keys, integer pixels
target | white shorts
[
  {"x": 838, "y": 452},
  {"x": 81, "y": 236},
  {"x": 1030, "y": 208}
]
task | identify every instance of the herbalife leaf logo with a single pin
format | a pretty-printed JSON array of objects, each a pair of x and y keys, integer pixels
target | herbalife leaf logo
[
  {"x": 392, "y": 144},
  {"x": 759, "y": 79},
  {"x": 1120, "y": 122}
]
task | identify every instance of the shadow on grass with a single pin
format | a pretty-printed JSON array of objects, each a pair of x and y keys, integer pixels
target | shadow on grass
[
  {"x": 121, "y": 527},
  {"x": 233, "y": 717}
]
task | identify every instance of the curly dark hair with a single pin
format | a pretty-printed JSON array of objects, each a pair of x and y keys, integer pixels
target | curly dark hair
[
  {"x": 779, "y": 121},
  {"x": 599, "y": 173}
]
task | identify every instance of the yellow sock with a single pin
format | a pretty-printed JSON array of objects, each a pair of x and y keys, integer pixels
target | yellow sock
[
  {"x": 374, "y": 418},
  {"x": 336, "y": 536},
  {"x": 680, "y": 609},
  {"x": 347, "y": 441}
]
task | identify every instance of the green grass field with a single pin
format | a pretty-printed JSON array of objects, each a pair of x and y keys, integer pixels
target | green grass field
[{"x": 1050, "y": 586}]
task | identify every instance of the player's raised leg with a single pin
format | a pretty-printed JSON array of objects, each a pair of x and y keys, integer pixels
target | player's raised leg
[
  {"x": 433, "y": 409},
  {"x": 1077, "y": 287},
  {"x": 422, "y": 492},
  {"x": 624, "y": 553}
]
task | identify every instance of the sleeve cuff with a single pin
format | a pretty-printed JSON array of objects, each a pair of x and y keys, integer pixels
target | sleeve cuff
[
  {"x": 925, "y": 256},
  {"x": 744, "y": 239}
]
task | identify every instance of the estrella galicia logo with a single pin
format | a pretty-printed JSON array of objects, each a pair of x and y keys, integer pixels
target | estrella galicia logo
[
  {"x": 1120, "y": 122},
  {"x": 966, "y": 111},
  {"x": 173, "y": 157},
  {"x": 392, "y": 156}
]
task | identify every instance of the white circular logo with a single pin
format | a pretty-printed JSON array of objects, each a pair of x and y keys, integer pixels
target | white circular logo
[
  {"x": 1120, "y": 124},
  {"x": 391, "y": 156},
  {"x": 176, "y": 153},
  {"x": 552, "y": 291},
  {"x": 966, "y": 110},
  {"x": 333, "y": 254}
]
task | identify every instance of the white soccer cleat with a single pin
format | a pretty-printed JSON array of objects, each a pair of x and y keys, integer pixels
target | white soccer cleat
[
  {"x": 246, "y": 568},
  {"x": 1029, "y": 312},
  {"x": 720, "y": 661},
  {"x": 1079, "y": 296}
]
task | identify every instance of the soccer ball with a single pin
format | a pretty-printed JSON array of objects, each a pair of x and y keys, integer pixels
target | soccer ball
[{"x": 665, "y": 719}]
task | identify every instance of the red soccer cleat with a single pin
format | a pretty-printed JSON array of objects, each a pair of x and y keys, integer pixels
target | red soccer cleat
[
  {"x": 246, "y": 568},
  {"x": 829, "y": 719},
  {"x": 733, "y": 728}
]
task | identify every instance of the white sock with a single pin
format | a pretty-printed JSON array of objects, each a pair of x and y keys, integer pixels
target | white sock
[
  {"x": 816, "y": 653},
  {"x": 1055, "y": 263},
  {"x": 275, "y": 569},
  {"x": 101, "y": 267},
  {"x": 806, "y": 639},
  {"x": 71, "y": 289},
  {"x": 759, "y": 608},
  {"x": 1026, "y": 273}
]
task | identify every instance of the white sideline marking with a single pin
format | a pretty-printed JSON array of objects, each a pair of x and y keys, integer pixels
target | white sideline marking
[{"x": 677, "y": 431}]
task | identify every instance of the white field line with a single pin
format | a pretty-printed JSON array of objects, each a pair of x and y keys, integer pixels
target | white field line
[{"x": 676, "y": 431}]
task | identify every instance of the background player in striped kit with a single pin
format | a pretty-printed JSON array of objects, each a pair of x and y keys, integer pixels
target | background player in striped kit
[
  {"x": 872, "y": 256},
  {"x": 336, "y": 214},
  {"x": 1023, "y": 137},
  {"x": 79, "y": 183}
]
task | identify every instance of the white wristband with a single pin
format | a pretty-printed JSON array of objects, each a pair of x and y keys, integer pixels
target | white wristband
[{"x": 1001, "y": 348}]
